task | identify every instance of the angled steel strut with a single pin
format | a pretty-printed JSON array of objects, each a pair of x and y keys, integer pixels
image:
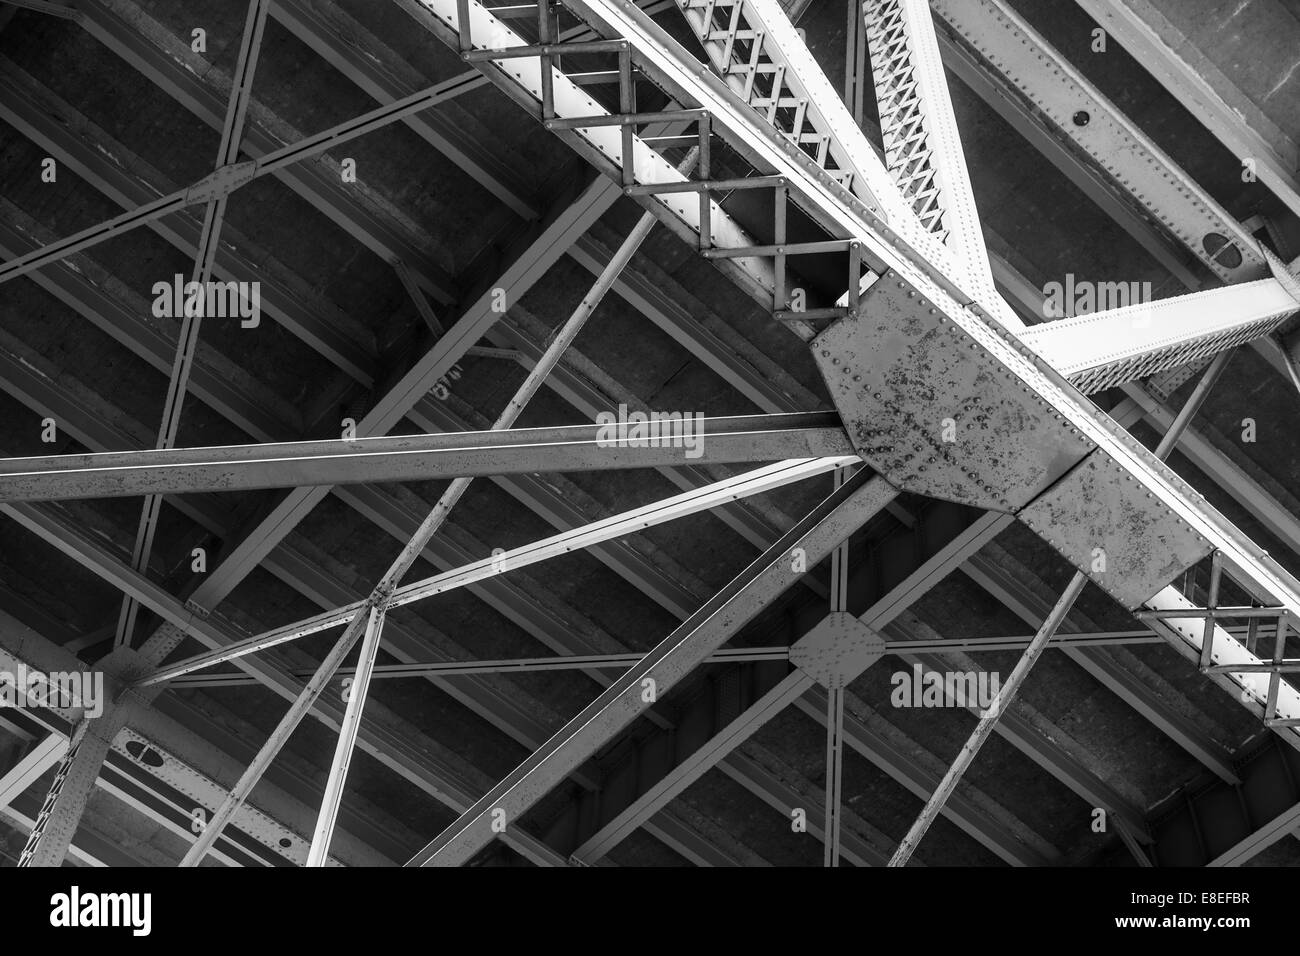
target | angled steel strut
[
  {"x": 839, "y": 515},
  {"x": 937, "y": 305},
  {"x": 214, "y": 191},
  {"x": 665, "y": 441}
]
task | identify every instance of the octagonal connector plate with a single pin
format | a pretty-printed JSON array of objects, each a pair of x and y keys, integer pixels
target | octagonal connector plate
[
  {"x": 935, "y": 413},
  {"x": 837, "y": 650}
]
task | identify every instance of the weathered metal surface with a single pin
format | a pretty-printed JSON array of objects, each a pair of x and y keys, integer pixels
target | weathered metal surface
[
  {"x": 1109, "y": 527},
  {"x": 649, "y": 440},
  {"x": 837, "y": 650},
  {"x": 935, "y": 413}
]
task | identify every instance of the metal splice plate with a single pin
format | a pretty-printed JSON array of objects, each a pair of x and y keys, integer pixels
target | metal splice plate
[
  {"x": 936, "y": 414},
  {"x": 837, "y": 650},
  {"x": 1104, "y": 524}
]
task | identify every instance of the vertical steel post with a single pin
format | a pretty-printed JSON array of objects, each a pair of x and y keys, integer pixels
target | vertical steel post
[{"x": 329, "y": 811}]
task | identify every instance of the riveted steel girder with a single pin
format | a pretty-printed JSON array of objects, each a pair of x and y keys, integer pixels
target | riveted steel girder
[{"x": 914, "y": 391}]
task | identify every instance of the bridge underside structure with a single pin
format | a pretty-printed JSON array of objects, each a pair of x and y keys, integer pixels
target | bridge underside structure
[{"x": 633, "y": 447}]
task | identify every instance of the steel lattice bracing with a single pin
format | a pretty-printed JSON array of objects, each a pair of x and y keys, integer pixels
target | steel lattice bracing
[
  {"x": 908, "y": 152},
  {"x": 754, "y": 273},
  {"x": 612, "y": 17}
]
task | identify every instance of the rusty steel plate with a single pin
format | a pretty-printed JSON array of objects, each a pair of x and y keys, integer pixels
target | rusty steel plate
[
  {"x": 837, "y": 650},
  {"x": 1108, "y": 526},
  {"x": 933, "y": 412}
]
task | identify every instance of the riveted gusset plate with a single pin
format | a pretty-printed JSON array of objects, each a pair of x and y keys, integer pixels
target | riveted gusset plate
[
  {"x": 1106, "y": 525},
  {"x": 837, "y": 650},
  {"x": 932, "y": 412}
]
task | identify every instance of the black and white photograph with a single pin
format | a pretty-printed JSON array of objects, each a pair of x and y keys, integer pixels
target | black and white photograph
[{"x": 671, "y": 434}]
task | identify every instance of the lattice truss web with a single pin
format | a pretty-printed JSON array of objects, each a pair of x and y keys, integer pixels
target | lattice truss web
[
  {"x": 902, "y": 116},
  {"x": 741, "y": 51},
  {"x": 891, "y": 220}
]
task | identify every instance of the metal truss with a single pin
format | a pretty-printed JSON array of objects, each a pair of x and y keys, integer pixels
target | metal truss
[
  {"x": 1228, "y": 824},
  {"x": 996, "y": 52},
  {"x": 214, "y": 217},
  {"x": 1198, "y": 84},
  {"x": 922, "y": 146},
  {"x": 706, "y": 630},
  {"x": 984, "y": 37},
  {"x": 287, "y": 566},
  {"x": 611, "y": 17},
  {"x": 545, "y": 242},
  {"x": 1019, "y": 75},
  {"x": 1105, "y": 349},
  {"x": 138, "y": 771},
  {"x": 769, "y": 108},
  {"x": 1135, "y": 166}
]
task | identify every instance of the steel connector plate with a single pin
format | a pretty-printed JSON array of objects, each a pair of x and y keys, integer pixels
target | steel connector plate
[{"x": 933, "y": 411}]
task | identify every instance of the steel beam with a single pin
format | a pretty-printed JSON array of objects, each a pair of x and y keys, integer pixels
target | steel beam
[
  {"x": 129, "y": 181},
  {"x": 1018, "y": 597},
  {"x": 541, "y": 251},
  {"x": 441, "y": 775},
  {"x": 216, "y": 381},
  {"x": 46, "y": 753},
  {"x": 516, "y": 665},
  {"x": 1006, "y": 693},
  {"x": 1018, "y": 74},
  {"x": 1104, "y": 349},
  {"x": 45, "y": 6},
  {"x": 209, "y": 242},
  {"x": 755, "y": 482},
  {"x": 834, "y": 774},
  {"x": 423, "y": 457},
  {"x": 838, "y": 605},
  {"x": 1284, "y": 824},
  {"x": 348, "y": 47},
  {"x": 856, "y": 65},
  {"x": 846, "y": 509},
  {"x": 922, "y": 146},
  {"x": 1212, "y": 96},
  {"x": 140, "y": 40},
  {"x": 73, "y": 782}
]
